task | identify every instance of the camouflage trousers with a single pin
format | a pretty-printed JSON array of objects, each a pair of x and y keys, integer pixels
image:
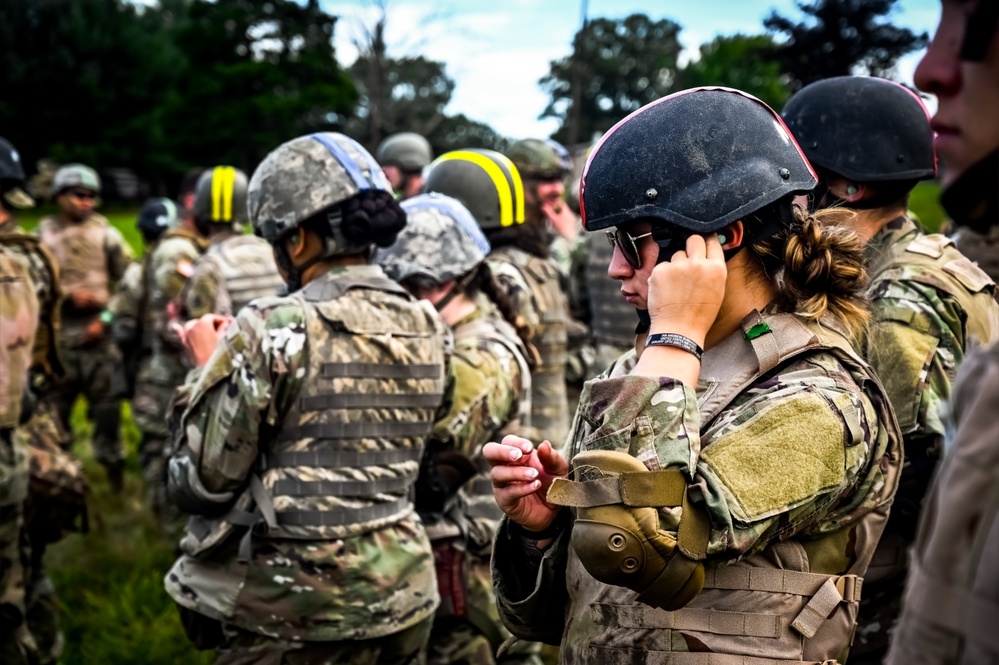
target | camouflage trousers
[
  {"x": 403, "y": 648},
  {"x": 476, "y": 638},
  {"x": 16, "y": 643},
  {"x": 90, "y": 371}
]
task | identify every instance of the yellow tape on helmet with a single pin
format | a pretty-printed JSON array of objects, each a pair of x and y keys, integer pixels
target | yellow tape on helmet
[{"x": 499, "y": 179}]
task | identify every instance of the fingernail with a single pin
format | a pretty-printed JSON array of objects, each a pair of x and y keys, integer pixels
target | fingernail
[
  {"x": 536, "y": 484},
  {"x": 516, "y": 454},
  {"x": 532, "y": 473}
]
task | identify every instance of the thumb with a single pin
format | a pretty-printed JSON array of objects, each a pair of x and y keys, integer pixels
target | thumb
[{"x": 553, "y": 462}]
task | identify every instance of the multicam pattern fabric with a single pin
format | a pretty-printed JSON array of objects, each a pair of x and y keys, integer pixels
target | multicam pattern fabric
[
  {"x": 235, "y": 270},
  {"x": 796, "y": 474},
  {"x": 252, "y": 403},
  {"x": 18, "y": 322},
  {"x": 533, "y": 284},
  {"x": 930, "y": 307}
]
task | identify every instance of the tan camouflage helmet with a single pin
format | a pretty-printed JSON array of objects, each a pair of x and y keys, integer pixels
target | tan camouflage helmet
[
  {"x": 485, "y": 181},
  {"x": 441, "y": 241},
  {"x": 307, "y": 176},
  {"x": 76, "y": 175},
  {"x": 408, "y": 151},
  {"x": 536, "y": 158},
  {"x": 220, "y": 196}
]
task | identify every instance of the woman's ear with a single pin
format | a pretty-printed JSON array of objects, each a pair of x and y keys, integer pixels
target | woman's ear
[{"x": 731, "y": 236}]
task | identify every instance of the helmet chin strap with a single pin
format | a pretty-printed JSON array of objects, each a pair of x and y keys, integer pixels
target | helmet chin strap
[{"x": 459, "y": 287}]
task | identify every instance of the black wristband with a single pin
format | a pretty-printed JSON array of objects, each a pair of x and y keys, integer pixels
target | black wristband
[
  {"x": 679, "y": 341},
  {"x": 551, "y": 531}
]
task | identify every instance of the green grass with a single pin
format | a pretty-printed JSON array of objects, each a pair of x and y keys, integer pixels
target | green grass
[
  {"x": 110, "y": 581},
  {"x": 122, "y": 219},
  {"x": 925, "y": 203}
]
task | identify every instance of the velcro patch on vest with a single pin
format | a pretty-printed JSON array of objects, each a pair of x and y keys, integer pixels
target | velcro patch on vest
[
  {"x": 971, "y": 276},
  {"x": 780, "y": 458},
  {"x": 932, "y": 245},
  {"x": 901, "y": 355}
]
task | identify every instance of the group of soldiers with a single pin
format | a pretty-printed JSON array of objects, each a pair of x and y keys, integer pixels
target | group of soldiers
[{"x": 363, "y": 408}]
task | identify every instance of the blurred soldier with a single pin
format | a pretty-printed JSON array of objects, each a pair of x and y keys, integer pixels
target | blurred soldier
[
  {"x": 440, "y": 257},
  {"x": 871, "y": 142},
  {"x": 237, "y": 268},
  {"x": 172, "y": 249},
  {"x": 19, "y": 312},
  {"x": 92, "y": 257},
  {"x": 57, "y": 488},
  {"x": 18, "y": 321},
  {"x": 403, "y": 157},
  {"x": 951, "y": 607},
  {"x": 300, "y": 436},
  {"x": 489, "y": 185}
]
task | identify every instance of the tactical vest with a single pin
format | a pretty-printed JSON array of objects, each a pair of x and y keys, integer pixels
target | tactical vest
[
  {"x": 81, "y": 254},
  {"x": 345, "y": 458},
  {"x": 248, "y": 270},
  {"x": 612, "y": 319},
  {"x": 981, "y": 249},
  {"x": 45, "y": 355},
  {"x": 18, "y": 322},
  {"x": 767, "y": 608},
  {"x": 947, "y": 270},
  {"x": 550, "y": 411},
  {"x": 477, "y": 491}
]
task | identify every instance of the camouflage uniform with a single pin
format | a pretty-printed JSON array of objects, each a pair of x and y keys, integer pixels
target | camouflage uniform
[
  {"x": 951, "y": 605},
  {"x": 982, "y": 248},
  {"x": 235, "y": 270},
  {"x": 533, "y": 284},
  {"x": 931, "y": 305},
  {"x": 92, "y": 256},
  {"x": 162, "y": 368},
  {"x": 492, "y": 387},
  {"x": 784, "y": 459},
  {"x": 18, "y": 322},
  {"x": 312, "y": 413}
]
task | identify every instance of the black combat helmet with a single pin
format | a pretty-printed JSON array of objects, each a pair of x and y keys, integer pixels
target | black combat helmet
[
  {"x": 864, "y": 129},
  {"x": 697, "y": 161}
]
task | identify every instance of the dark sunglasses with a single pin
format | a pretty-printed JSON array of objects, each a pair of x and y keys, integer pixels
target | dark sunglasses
[
  {"x": 626, "y": 243},
  {"x": 82, "y": 194}
]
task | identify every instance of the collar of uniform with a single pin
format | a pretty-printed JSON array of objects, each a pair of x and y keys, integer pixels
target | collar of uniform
[{"x": 897, "y": 230}]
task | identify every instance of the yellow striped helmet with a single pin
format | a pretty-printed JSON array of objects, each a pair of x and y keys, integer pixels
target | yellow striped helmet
[
  {"x": 484, "y": 181},
  {"x": 220, "y": 196}
]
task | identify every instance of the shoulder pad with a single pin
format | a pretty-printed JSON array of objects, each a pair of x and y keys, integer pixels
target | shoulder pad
[
  {"x": 932, "y": 245},
  {"x": 970, "y": 275}
]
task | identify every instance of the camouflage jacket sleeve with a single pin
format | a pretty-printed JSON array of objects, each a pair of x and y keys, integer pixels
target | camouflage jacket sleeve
[
  {"x": 172, "y": 267},
  {"x": 204, "y": 291},
  {"x": 125, "y": 305},
  {"x": 242, "y": 392},
  {"x": 517, "y": 288},
  {"x": 487, "y": 387},
  {"x": 772, "y": 464},
  {"x": 119, "y": 254}
]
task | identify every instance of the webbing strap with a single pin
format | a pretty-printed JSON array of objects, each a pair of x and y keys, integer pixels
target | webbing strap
[
  {"x": 775, "y": 580},
  {"x": 817, "y": 609},
  {"x": 641, "y": 489},
  {"x": 352, "y": 488},
  {"x": 764, "y": 346},
  {"x": 705, "y": 658},
  {"x": 371, "y": 401},
  {"x": 957, "y": 610},
  {"x": 637, "y": 615},
  {"x": 338, "y": 458},
  {"x": 384, "y": 430},
  {"x": 694, "y": 530},
  {"x": 342, "y": 516},
  {"x": 264, "y": 504},
  {"x": 379, "y": 371}
]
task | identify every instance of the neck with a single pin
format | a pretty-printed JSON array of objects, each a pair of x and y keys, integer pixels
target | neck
[
  {"x": 320, "y": 268},
  {"x": 458, "y": 308},
  {"x": 744, "y": 292},
  {"x": 5, "y": 216},
  {"x": 867, "y": 223}
]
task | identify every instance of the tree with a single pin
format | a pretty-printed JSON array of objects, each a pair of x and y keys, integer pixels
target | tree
[
  {"x": 748, "y": 63},
  {"x": 621, "y": 64},
  {"x": 838, "y": 37},
  {"x": 259, "y": 73}
]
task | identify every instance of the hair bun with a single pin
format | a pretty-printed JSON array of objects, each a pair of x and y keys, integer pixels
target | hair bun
[{"x": 372, "y": 217}]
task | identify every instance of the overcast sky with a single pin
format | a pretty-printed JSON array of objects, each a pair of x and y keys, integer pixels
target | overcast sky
[{"x": 497, "y": 51}]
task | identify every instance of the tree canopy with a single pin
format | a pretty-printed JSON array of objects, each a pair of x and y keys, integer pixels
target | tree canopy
[{"x": 747, "y": 63}]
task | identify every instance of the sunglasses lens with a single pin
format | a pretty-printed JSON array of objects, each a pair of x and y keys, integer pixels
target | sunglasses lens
[{"x": 83, "y": 194}]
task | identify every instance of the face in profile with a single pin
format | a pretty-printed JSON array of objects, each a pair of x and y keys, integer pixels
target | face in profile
[
  {"x": 77, "y": 202},
  {"x": 967, "y": 118}
]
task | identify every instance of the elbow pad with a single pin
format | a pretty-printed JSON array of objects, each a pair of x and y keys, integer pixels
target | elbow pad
[
  {"x": 185, "y": 489},
  {"x": 617, "y": 534}
]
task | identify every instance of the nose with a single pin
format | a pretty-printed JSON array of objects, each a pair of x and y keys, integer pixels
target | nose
[
  {"x": 619, "y": 268},
  {"x": 939, "y": 72}
]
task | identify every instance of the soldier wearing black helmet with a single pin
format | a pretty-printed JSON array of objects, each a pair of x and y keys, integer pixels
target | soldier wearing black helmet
[
  {"x": 403, "y": 157},
  {"x": 731, "y": 475},
  {"x": 490, "y": 186},
  {"x": 871, "y": 142},
  {"x": 951, "y": 607}
]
